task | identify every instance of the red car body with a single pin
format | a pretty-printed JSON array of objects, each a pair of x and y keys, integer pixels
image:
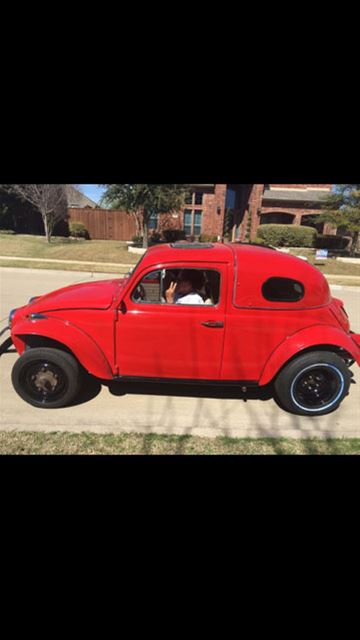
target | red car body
[{"x": 244, "y": 338}]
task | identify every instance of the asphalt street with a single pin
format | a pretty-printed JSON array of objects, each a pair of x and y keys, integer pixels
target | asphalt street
[{"x": 162, "y": 409}]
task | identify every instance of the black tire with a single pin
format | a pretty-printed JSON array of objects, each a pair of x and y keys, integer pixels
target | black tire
[
  {"x": 313, "y": 384},
  {"x": 46, "y": 378}
]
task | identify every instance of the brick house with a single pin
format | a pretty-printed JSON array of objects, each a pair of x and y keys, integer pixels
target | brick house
[
  {"x": 246, "y": 206},
  {"x": 243, "y": 207}
]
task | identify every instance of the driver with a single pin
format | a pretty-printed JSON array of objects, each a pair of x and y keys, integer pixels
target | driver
[{"x": 185, "y": 289}]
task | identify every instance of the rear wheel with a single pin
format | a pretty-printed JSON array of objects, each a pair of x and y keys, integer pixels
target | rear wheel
[
  {"x": 313, "y": 384},
  {"x": 46, "y": 378}
]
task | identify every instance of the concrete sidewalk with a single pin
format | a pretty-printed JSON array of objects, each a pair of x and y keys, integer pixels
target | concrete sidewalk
[{"x": 47, "y": 260}]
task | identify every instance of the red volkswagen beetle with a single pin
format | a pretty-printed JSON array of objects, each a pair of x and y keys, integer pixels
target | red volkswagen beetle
[{"x": 225, "y": 314}]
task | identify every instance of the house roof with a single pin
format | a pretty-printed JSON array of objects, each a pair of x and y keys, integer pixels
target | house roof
[
  {"x": 289, "y": 195},
  {"x": 78, "y": 199}
]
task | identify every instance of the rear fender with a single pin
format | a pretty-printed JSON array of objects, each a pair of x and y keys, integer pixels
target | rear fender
[
  {"x": 316, "y": 336},
  {"x": 79, "y": 343}
]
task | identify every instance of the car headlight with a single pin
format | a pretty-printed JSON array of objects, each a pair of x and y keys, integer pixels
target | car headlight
[{"x": 11, "y": 315}]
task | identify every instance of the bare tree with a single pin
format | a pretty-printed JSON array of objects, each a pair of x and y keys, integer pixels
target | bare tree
[{"x": 49, "y": 199}]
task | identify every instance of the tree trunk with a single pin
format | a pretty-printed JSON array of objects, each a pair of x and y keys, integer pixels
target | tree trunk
[
  {"x": 354, "y": 243},
  {"x": 145, "y": 237},
  {"x": 134, "y": 215},
  {"x": 46, "y": 227}
]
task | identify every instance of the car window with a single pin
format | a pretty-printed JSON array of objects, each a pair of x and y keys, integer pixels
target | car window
[
  {"x": 283, "y": 290},
  {"x": 149, "y": 289},
  {"x": 153, "y": 287}
]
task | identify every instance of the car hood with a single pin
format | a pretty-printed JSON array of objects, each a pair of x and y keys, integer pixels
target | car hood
[{"x": 90, "y": 295}]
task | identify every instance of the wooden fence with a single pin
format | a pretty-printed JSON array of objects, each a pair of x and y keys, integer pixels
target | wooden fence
[{"x": 104, "y": 224}]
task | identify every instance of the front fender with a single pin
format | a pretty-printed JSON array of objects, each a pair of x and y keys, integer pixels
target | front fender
[
  {"x": 77, "y": 341},
  {"x": 315, "y": 336}
]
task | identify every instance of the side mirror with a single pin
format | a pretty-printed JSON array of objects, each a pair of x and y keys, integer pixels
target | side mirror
[{"x": 122, "y": 307}]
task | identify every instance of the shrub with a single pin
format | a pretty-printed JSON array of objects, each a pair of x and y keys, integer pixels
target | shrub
[
  {"x": 287, "y": 235},
  {"x": 173, "y": 235},
  {"x": 324, "y": 241},
  {"x": 78, "y": 230},
  {"x": 155, "y": 237},
  {"x": 207, "y": 238},
  {"x": 7, "y": 232},
  {"x": 137, "y": 240}
]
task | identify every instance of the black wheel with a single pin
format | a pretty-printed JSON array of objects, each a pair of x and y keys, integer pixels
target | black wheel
[
  {"x": 313, "y": 384},
  {"x": 46, "y": 378}
]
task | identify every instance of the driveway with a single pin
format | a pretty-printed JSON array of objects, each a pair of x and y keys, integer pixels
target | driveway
[{"x": 162, "y": 409}]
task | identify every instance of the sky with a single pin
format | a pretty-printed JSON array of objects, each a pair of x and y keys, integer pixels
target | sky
[{"x": 92, "y": 191}]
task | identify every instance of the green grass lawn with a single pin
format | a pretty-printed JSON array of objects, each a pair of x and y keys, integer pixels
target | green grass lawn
[
  {"x": 331, "y": 266},
  {"x": 33, "y": 443},
  {"x": 26, "y": 246}
]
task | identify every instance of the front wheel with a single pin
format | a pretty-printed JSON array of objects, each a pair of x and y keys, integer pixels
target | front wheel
[
  {"x": 46, "y": 378},
  {"x": 313, "y": 384}
]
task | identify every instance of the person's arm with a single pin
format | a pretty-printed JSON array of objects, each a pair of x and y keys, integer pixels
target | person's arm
[
  {"x": 170, "y": 293},
  {"x": 193, "y": 299}
]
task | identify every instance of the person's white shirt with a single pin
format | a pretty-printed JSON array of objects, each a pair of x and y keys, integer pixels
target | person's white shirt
[{"x": 189, "y": 298}]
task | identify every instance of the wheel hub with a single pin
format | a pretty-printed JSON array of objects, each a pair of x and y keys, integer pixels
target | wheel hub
[
  {"x": 317, "y": 387},
  {"x": 45, "y": 380}
]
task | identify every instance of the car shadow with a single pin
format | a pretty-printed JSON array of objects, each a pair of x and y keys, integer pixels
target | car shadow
[
  {"x": 188, "y": 390},
  {"x": 90, "y": 388}
]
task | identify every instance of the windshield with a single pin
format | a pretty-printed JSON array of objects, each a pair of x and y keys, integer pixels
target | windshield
[{"x": 136, "y": 268}]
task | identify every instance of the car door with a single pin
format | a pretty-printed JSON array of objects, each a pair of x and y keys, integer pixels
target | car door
[{"x": 175, "y": 341}]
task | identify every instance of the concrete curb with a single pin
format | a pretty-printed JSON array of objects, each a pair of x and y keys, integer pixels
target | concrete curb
[{"x": 53, "y": 260}]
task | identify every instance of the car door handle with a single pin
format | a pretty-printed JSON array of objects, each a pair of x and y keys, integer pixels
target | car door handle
[{"x": 213, "y": 324}]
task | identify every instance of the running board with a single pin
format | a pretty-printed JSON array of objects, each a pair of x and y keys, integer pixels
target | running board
[{"x": 215, "y": 383}]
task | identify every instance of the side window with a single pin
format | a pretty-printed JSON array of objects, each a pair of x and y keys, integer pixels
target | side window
[
  {"x": 283, "y": 290},
  {"x": 191, "y": 287},
  {"x": 149, "y": 289},
  {"x": 179, "y": 286}
]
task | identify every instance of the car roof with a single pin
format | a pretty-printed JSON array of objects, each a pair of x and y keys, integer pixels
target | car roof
[
  {"x": 189, "y": 252},
  {"x": 216, "y": 252},
  {"x": 253, "y": 266}
]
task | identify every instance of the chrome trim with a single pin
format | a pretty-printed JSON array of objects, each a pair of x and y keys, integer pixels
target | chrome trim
[
  {"x": 3, "y": 331},
  {"x": 11, "y": 315}
]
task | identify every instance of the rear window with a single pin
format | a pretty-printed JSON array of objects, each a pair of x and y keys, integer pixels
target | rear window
[{"x": 283, "y": 290}]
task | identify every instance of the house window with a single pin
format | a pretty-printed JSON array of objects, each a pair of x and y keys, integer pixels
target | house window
[
  {"x": 153, "y": 221},
  {"x": 194, "y": 197},
  {"x": 197, "y": 223},
  {"x": 192, "y": 222},
  {"x": 188, "y": 222},
  {"x": 230, "y": 198}
]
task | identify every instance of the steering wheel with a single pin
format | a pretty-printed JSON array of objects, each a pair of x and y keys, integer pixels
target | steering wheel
[{"x": 140, "y": 293}]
